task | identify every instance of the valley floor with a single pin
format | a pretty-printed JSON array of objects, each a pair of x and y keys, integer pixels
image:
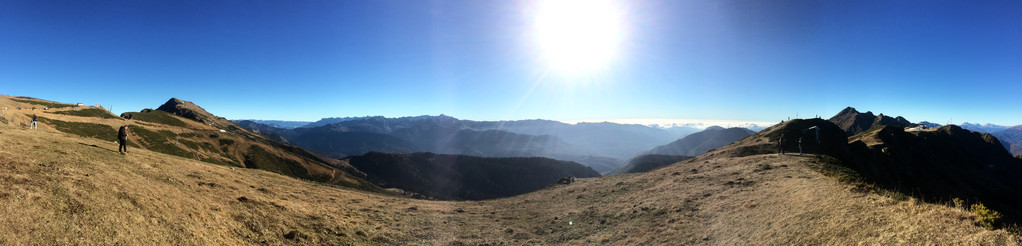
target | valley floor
[{"x": 57, "y": 188}]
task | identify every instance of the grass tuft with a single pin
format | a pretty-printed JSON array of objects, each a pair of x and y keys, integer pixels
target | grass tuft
[{"x": 832, "y": 167}]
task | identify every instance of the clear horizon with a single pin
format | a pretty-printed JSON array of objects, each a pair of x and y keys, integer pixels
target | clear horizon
[{"x": 755, "y": 61}]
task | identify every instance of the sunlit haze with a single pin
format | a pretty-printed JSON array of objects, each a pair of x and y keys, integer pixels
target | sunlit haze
[
  {"x": 572, "y": 60},
  {"x": 578, "y": 36}
]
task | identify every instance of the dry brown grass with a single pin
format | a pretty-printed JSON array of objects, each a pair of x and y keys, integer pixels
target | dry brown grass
[
  {"x": 57, "y": 188},
  {"x": 191, "y": 140}
]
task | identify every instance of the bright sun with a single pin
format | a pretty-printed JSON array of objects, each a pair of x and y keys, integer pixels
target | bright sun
[{"x": 578, "y": 36}]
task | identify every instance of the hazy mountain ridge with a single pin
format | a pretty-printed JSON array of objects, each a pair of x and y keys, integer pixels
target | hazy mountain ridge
[
  {"x": 647, "y": 162},
  {"x": 267, "y": 131},
  {"x": 460, "y": 177},
  {"x": 284, "y": 124},
  {"x": 602, "y": 146},
  {"x": 983, "y": 128},
  {"x": 701, "y": 142},
  {"x": 608, "y": 139},
  {"x": 621, "y": 141},
  {"x": 928, "y": 124},
  {"x": 685, "y": 148},
  {"x": 1011, "y": 138}
]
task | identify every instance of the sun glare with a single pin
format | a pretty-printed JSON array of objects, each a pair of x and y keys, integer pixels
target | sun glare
[{"x": 578, "y": 36}]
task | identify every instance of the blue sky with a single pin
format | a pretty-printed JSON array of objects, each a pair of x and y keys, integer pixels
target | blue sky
[{"x": 725, "y": 60}]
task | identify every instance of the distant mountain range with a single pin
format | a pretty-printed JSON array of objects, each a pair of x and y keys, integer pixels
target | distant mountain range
[
  {"x": 1009, "y": 136},
  {"x": 459, "y": 177},
  {"x": 645, "y": 163},
  {"x": 928, "y": 124},
  {"x": 1011, "y": 139},
  {"x": 602, "y": 146},
  {"x": 983, "y": 128},
  {"x": 698, "y": 143},
  {"x": 280, "y": 123},
  {"x": 690, "y": 146}
]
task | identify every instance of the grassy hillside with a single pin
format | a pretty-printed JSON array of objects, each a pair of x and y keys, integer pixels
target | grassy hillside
[
  {"x": 942, "y": 164},
  {"x": 218, "y": 142},
  {"x": 58, "y": 188}
]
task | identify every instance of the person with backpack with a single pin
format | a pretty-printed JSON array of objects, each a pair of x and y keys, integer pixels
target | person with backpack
[
  {"x": 780, "y": 141},
  {"x": 35, "y": 118},
  {"x": 122, "y": 138},
  {"x": 799, "y": 145}
]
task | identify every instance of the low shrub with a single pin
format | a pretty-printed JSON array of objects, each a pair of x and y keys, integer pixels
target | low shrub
[
  {"x": 47, "y": 104},
  {"x": 91, "y": 130},
  {"x": 988, "y": 218},
  {"x": 159, "y": 142},
  {"x": 89, "y": 112},
  {"x": 159, "y": 117}
]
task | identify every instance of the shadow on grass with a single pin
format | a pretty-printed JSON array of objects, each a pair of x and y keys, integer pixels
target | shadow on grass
[{"x": 97, "y": 146}]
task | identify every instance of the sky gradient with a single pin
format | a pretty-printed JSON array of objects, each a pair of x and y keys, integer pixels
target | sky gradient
[{"x": 936, "y": 61}]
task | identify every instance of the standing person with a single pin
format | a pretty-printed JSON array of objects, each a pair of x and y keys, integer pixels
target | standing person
[
  {"x": 780, "y": 141},
  {"x": 35, "y": 118},
  {"x": 800, "y": 146},
  {"x": 122, "y": 138}
]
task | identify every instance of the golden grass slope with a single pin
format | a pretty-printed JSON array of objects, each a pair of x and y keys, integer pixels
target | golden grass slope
[
  {"x": 57, "y": 188},
  {"x": 224, "y": 143}
]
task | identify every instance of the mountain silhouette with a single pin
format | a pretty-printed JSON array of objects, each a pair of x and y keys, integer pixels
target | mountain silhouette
[
  {"x": 943, "y": 163},
  {"x": 191, "y": 111},
  {"x": 934, "y": 164},
  {"x": 854, "y": 122}
]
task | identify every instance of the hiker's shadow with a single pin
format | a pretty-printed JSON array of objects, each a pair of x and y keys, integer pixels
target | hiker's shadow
[{"x": 97, "y": 146}]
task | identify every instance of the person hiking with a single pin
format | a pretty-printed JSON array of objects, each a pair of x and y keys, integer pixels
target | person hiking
[
  {"x": 35, "y": 118},
  {"x": 122, "y": 138},
  {"x": 800, "y": 146},
  {"x": 780, "y": 141}
]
